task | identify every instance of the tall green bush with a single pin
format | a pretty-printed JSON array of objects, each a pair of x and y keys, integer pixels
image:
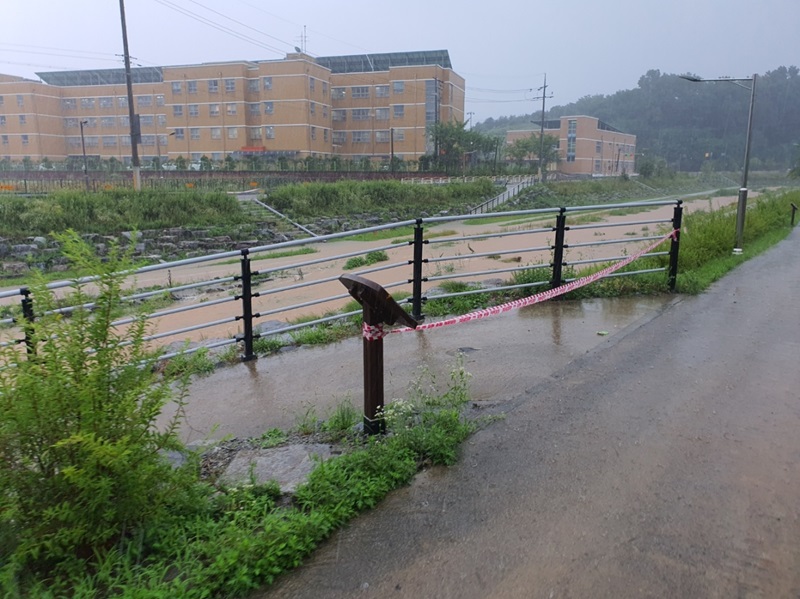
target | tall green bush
[{"x": 82, "y": 465}]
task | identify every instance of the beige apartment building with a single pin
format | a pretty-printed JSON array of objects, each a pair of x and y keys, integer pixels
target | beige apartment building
[
  {"x": 362, "y": 106},
  {"x": 586, "y": 146}
]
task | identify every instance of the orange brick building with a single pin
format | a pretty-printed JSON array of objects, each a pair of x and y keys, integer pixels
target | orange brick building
[
  {"x": 586, "y": 146},
  {"x": 361, "y": 106}
]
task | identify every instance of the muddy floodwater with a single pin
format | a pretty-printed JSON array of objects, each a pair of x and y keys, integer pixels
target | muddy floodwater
[{"x": 505, "y": 354}]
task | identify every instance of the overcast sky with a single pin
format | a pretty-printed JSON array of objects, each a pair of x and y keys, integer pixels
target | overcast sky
[{"x": 502, "y": 47}]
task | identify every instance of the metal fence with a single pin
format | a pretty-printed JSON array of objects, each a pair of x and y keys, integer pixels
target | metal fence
[{"x": 223, "y": 299}]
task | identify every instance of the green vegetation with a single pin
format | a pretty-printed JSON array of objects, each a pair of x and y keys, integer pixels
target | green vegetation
[
  {"x": 313, "y": 200},
  {"x": 370, "y": 258},
  {"x": 273, "y": 255},
  {"x": 115, "y": 211}
]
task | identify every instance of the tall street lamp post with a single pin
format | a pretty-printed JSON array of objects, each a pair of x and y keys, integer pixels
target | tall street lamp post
[
  {"x": 742, "y": 205},
  {"x": 85, "y": 163}
]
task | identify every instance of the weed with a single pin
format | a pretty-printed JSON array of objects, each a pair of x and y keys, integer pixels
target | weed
[{"x": 272, "y": 438}]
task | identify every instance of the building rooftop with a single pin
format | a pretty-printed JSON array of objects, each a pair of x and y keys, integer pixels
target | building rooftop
[
  {"x": 101, "y": 76},
  {"x": 364, "y": 63}
]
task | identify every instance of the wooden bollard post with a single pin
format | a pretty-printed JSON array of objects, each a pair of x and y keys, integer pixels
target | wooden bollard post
[{"x": 378, "y": 308}]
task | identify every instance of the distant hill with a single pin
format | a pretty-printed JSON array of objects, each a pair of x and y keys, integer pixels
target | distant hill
[{"x": 690, "y": 124}]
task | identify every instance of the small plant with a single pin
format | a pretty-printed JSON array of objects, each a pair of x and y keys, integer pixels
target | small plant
[
  {"x": 342, "y": 420},
  {"x": 370, "y": 258},
  {"x": 272, "y": 438},
  {"x": 197, "y": 362}
]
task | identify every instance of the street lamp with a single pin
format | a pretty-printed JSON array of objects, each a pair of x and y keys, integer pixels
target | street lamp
[
  {"x": 85, "y": 163},
  {"x": 742, "y": 205}
]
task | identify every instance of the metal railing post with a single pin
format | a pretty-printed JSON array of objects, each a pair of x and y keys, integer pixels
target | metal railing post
[
  {"x": 416, "y": 274},
  {"x": 247, "y": 307},
  {"x": 29, "y": 316},
  {"x": 558, "y": 250},
  {"x": 677, "y": 216}
]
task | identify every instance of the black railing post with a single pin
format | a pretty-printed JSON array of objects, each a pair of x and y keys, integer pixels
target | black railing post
[
  {"x": 417, "y": 278},
  {"x": 247, "y": 307},
  {"x": 558, "y": 250},
  {"x": 29, "y": 316},
  {"x": 677, "y": 216}
]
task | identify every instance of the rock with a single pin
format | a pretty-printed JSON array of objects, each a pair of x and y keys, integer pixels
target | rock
[{"x": 289, "y": 466}]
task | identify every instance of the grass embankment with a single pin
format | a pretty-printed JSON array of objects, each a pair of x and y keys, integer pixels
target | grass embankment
[{"x": 111, "y": 212}]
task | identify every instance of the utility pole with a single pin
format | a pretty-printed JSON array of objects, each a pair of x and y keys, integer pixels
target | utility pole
[
  {"x": 469, "y": 119},
  {"x": 543, "y": 98},
  {"x": 135, "y": 129}
]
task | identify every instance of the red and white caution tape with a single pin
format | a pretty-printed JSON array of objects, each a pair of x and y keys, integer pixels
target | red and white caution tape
[
  {"x": 373, "y": 332},
  {"x": 539, "y": 297}
]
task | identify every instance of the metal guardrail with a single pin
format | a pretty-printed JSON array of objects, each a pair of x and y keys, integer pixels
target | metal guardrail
[
  {"x": 247, "y": 297},
  {"x": 511, "y": 191}
]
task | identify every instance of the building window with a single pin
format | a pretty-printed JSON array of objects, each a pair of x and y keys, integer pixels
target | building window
[
  {"x": 177, "y": 111},
  {"x": 159, "y": 99},
  {"x": 382, "y": 137},
  {"x": 381, "y": 114},
  {"x": 179, "y": 133},
  {"x": 148, "y": 140},
  {"x": 361, "y": 137},
  {"x": 230, "y": 109},
  {"x": 399, "y": 111},
  {"x": 339, "y": 115},
  {"x": 266, "y": 83},
  {"x": 381, "y": 91},
  {"x": 177, "y": 87},
  {"x": 213, "y": 110},
  {"x": 324, "y": 111},
  {"x": 252, "y": 85},
  {"x": 216, "y": 156},
  {"x": 312, "y": 108},
  {"x": 69, "y": 104},
  {"x": 1, "y": 100},
  {"x": 597, "y": 165},
  {"x": 269, "y": 132},
  {"x": 338, "y": 93},
  {"x": 254, "y": 133},
  {"x": 216, "y": 133},
  {"x": 22, "y": 119},
  {"x": 268, "y": 107},
  {"x": 74, "y": 142},
  {"x": 194, "y": 110},
  {"x": 324, "y": 88},
  {"x": 87, "y": 103},
  {"x": 361, "y": 92},
  {"x": 20, "y": 100},
  {"x": 311, "y": 84},
  {"x": 146, "y": 120},
  {"x": 107, "y": 102},
  {"x": 122, "y": 101},
  {"x": 3, "y": 120},
  {"x": 24, "y": 140},
  {"x": 399, "y": 134},
  {"x": 325, "y": 135},
  {"x": 598, "y": 147},
  {"x": 313, "y": 133},
  {"x": 572, "y": 127},
  {"x": 195, "y": 156},
  {"x": 91, "y": 122},
  {"x": 233, "y": 132},
  {"x": 191, "y": 87},
  {"x": 144, "y": 101},
  {"x": 109, "y": 141},
  {"x": 254, "y": 109},
  {"x": 4, "y": 138},
  {"x": 194, "y": 133},
  {"x": 108, "y": 122},
  {"x": 124, "y": 140},
  {"x": 398, "y": 87},
  {"x": 339, "y": 138},
  {"x": 162, "y": 120},
  {"x": 72, "y": 123},
  {"x": 230, "y": 86},
  {"x": 124, "y": 121},
  {"x": 360, "y": 114},
  {"x": 213, "y": 86}
]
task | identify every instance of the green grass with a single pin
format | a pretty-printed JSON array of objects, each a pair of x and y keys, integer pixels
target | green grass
[
  {"x": 367, "y": 260},
  {"x": 273, "y": 255}
]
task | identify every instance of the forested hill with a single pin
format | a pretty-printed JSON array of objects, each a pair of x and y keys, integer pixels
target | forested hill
[{"x": 690, "y": 123}]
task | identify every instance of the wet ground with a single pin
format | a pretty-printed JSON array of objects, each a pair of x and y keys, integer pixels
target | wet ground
[{"x": 505, "y": 354}]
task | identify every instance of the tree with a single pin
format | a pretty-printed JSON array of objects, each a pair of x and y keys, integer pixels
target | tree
[
  {"x": 205, "y": 163},
  {"x": 229, "y": 163},
  {"x": 180, "y": 163}
]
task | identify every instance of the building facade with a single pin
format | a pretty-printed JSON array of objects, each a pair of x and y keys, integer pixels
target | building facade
[
  {"x": 586, "y": 146},
  {"x": 370, "y": 106}
]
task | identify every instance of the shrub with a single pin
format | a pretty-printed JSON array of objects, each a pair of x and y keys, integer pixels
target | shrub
[{"x": 82, "y": 465}]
